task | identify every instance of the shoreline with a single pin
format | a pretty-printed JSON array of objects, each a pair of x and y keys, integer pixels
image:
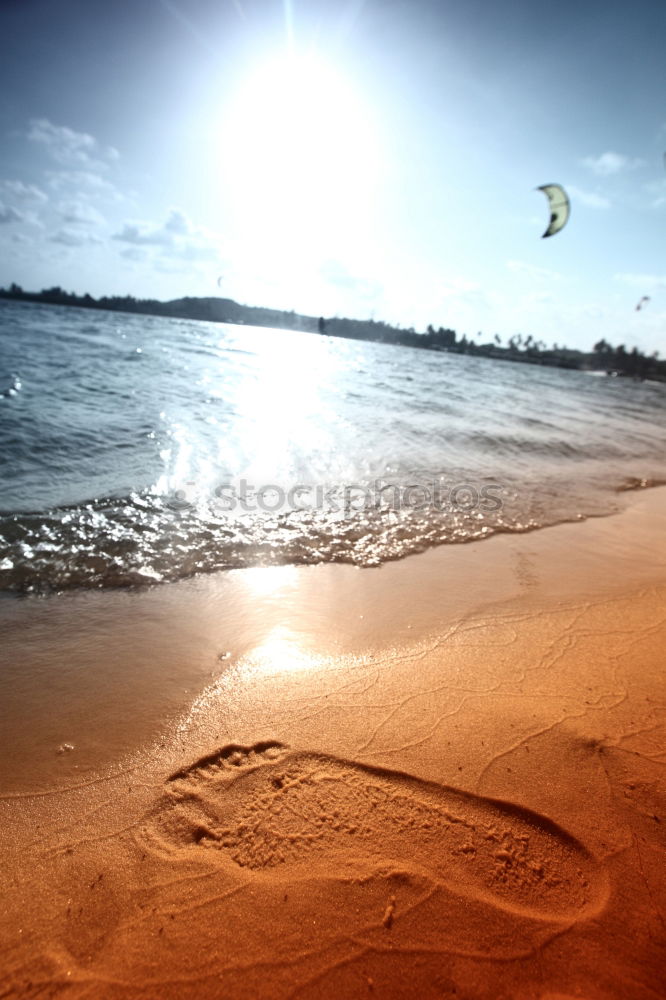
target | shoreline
[
  {"x": 141, "y": 656},
  {"x": 515, "y": 689}
]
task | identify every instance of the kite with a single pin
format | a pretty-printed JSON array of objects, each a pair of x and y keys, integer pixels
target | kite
[
  {"x": 559, "y": 207},
  {"x": 641, "y": 303}
]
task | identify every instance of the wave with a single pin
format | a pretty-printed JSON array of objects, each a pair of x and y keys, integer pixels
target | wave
[{"x": 141, "y": 540}]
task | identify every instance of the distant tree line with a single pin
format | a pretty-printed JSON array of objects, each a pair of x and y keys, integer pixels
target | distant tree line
[
  {"x": 603, "y": 357},
  {"x": 623, "y": 362}
]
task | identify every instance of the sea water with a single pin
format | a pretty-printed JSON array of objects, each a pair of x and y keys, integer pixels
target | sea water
[{"x": 138, "y": 449}]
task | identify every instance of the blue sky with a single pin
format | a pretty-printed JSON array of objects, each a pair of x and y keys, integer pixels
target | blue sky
[{"x": 355, "y": 157}]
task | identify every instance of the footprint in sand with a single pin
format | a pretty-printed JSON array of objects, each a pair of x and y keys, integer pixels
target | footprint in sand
[{"x": 266, "y": 808}]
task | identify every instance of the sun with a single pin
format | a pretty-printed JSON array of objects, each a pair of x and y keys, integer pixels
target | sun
[{"x": 300, "y": 156}]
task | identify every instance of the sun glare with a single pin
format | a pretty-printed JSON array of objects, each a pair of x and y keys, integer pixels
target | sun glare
[
  {"x": 281, "y": 653},
  {"x": 300, "y": 156}
]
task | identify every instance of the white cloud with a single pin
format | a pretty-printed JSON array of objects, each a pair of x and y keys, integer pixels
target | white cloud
[
  {"x": 73, "y": 237},
  {"x": 532, "y": 270},
  {"x": 134, "y": 253},
  {"x": 656, "y": 190},
  {"x": 334, "y": 272},
  {"x": 641, "y": 281},
  {"x": 83, "y": 183},
  {"x": 540, "y": 298},
  {"x": 80, "y": 213},
  {"x": 193, "y": 251},
  {"x": 71, "y": 148},
  {"x": 167, "y": 265},
  {"x": 10, "y": 214},
  {"x": 588, "y": 198},
  {"x": 177, "y": 238},
  {"x": 459, "y": 287},
  {"x": 610, "y": 163},
  {"x": 178, "y": 223},
  {"x": 23, "y": 192},
  {"x": 144, "y": 233}
]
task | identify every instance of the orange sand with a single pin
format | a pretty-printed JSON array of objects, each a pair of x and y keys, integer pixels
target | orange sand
[{"x": 441, "y": 778}]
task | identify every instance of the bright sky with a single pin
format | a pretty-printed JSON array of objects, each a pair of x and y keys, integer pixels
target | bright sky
[{"x": 350, "y": 157}]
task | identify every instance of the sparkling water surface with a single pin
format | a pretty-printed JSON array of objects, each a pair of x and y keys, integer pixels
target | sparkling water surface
[{"x": 136, "y": 449}]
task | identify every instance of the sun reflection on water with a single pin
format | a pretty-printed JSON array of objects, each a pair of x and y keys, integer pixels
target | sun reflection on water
[
  {"x": 275, "y": 422},
  {"x": 269, "y": 581},
  {"x": 283, "y": 418},
  {"x": 280, "y": 653}
]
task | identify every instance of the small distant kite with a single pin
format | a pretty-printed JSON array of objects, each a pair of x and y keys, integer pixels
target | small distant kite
[
  {"x": 559, "y": 207},
  {"x": 642, "y": 302}
]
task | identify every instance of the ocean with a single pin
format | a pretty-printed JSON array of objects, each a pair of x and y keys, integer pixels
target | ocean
[{"x": 137, "y": 449}]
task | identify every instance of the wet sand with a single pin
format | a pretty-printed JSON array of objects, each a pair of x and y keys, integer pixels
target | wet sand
[{"x": 441, "y": 778}]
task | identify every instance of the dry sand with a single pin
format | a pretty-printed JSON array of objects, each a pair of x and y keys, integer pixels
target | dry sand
[{"x": 441, "y": 778}]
